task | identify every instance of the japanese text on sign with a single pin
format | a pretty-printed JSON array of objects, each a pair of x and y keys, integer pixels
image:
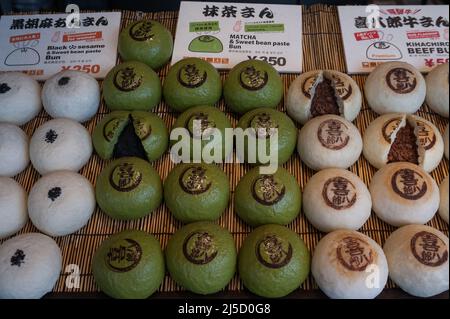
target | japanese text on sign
[{"x": 47, "y": 22}]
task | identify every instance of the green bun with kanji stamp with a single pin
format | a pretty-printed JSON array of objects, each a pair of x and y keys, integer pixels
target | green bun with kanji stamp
[
  {"x": 133, "y": 134},
  {"x": 212, "y": 120},
  {"x": 262, "y": 199},
  {"x": 264, "y": 122},
  {"x": 132, "y": 86},
  {"x": 146, "y": 41},
  {"x": 197, "y": 192},
  {"x": 273, "y": 261},
  {"x": 253, "y": 84},
  {"x": 201, "y": 257},
  {"x": 129, "y": 265},
  {"x": 129, "y": 188},
  {"x": 192, "y": 82}
]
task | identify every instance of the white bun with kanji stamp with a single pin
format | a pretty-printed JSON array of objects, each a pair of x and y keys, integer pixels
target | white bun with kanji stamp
[
  {"x": 395, "y": 87},
  {"x": 403, "y": 194},
  {"x": 418, "y": 260},
  {"x": 336, "y": 199},
  {"x": 349, "y": 265},
  {"x": 329, "y": 141}
]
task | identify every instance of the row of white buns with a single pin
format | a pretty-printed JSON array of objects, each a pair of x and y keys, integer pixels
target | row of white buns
[
  {"x": 59, "y": 144},
  {"x": 69, "y": 94},
  {"x": 347, "y": 264},
  {"x": 392, "y": 87}
]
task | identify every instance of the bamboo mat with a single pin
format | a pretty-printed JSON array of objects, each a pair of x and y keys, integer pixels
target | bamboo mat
[{"x": 323, "y": 49}]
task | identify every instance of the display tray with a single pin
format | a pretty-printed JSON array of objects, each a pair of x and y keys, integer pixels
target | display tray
[{"x": 323, "y": 49}]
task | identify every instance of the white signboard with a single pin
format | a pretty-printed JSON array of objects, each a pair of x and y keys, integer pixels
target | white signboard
[
  {"x": 45, "y": 44},
  {"x": 414, "y": 34},
  {"x": 225, "y": 34}
]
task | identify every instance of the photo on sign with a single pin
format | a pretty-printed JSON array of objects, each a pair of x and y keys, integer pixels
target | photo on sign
[
  {"x": 23, "y": 52},
  {"x": 384, "y": 49},
  {"x": 205, "y": 41}
]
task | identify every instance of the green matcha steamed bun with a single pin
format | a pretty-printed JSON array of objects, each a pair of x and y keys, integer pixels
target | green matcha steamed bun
[
  {"x": 210, "y": 121},
  {"x": 201, "y": 257},
  {"x": 264, "y": 122},
  {"x": 267, "y": 199},
  {"x": 128, "y": 188},
  {"x": 252, "y": 84},
  {"x": 191, "y": 82},
  {"x": 197, "y": 192},
  {"x": 273, "y": 261},
  {"x": 132, "y": 86},
  {"x": 131, "y": 134},
  {"x": 129, "y": 265},
  {"x": 146, "y": 41}
]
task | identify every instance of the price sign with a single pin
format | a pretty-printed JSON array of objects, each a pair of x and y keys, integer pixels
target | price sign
[{"x": 45, "y": 44}]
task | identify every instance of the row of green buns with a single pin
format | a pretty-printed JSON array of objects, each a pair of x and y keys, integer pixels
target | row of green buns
[
  {"x": 202, "y": 258},
  {"x": 144, "y": 134},
  {"x": 191, "y": 82},
  {"x": 130, "y": 188}
]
